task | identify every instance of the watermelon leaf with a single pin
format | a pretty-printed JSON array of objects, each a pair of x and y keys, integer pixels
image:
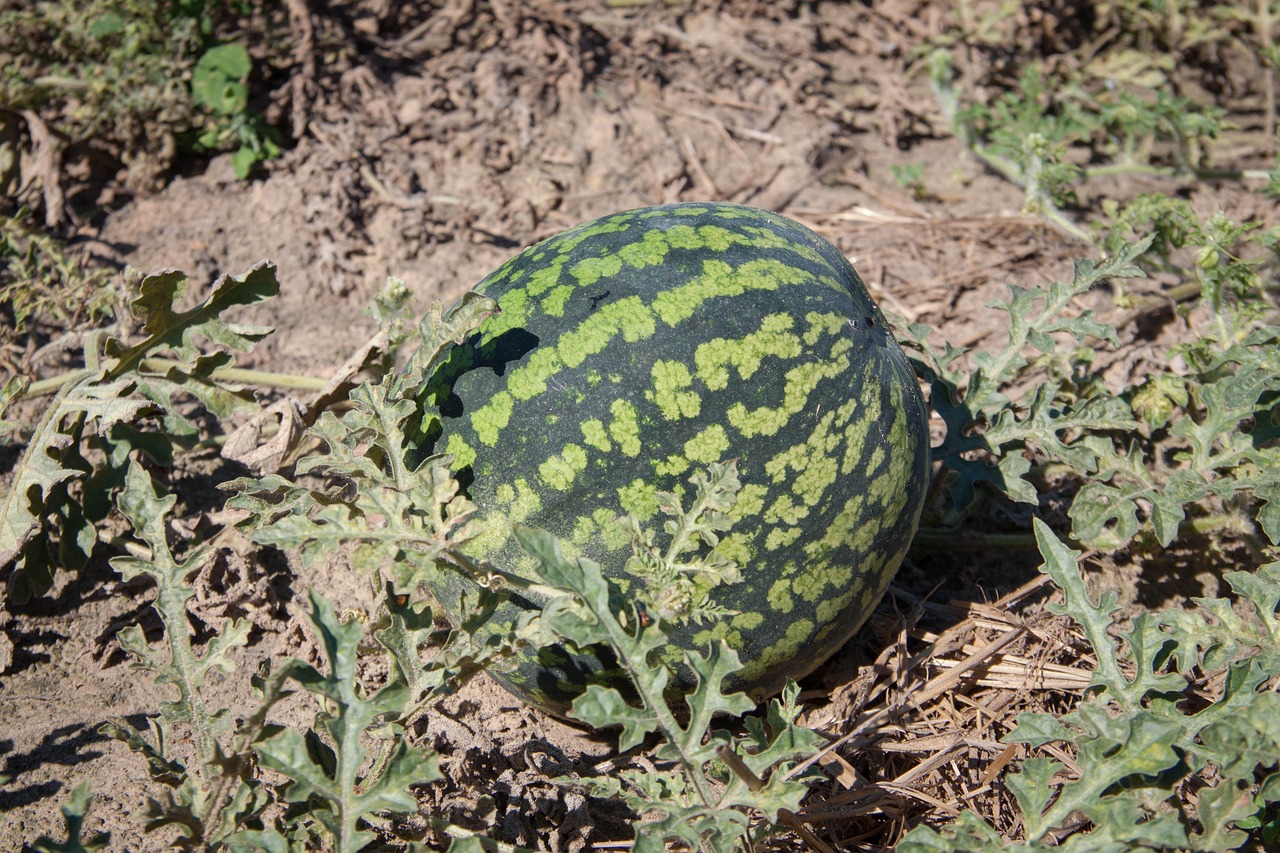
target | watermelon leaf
[
  {"x": 1057, "y": 418},
  {"x": 442, "y": 327},
  {"x": 677, "y": 579},
  {"x": 683, "y": 802},
  {"x": 336, "y": 792},
  {"x": 121, "y": 383},
  {"x": 74, "y": 812}
]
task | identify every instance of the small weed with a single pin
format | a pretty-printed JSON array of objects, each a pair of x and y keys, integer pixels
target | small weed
[
  {"x": 125, "y": 401},
  {"x": 44, "y": 289},
  {"x": 1116, "y": 104},
  {"x": 218, "y": 84},
  {"x": 910, "y": 176},
  {"x": 117, "y": 71}
]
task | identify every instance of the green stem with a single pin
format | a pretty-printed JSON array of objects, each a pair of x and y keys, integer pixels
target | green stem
[
  {"x": 1127, "y": 169},
  {"x": 1061, "y": 221},
  {"x": 238, "y": 375},
  {"x": 55, "y": 81},
  {"x": 941, "y": 538},
  {"x": 954, "y": 540}
]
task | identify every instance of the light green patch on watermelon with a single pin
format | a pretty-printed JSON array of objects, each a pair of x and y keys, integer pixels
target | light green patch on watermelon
[
  {"x": 671, "y": 654},
  {"x": 555, "y": 301},
  {"x": 875, "y": 459},
  {"x": 822, "y": 324},
  {"x": 794, "y": 457},
  {"x": 874, "y": 565},
  {"x": 767, "y": 238},
  {"x": 781, "y": 537},
  {"x": 671, "y": 380},
  {"x": 639, "y": 498},
  {"x": 832, "y": 576},
  {"x": 898, "y": 433},
  {"x": 884, "y": 486},
  {"x": 717, "y": 239},
  {"x": 785, "y": 510},
  {"x": 493, "y": 530},
  {"x": 861, "y": 537},
  {"x": 810, "y": 584},
  {"x": 493, "y": 417},
  {"x": 567, "y": 242},
  {"x": 737, "y": 547},
  {"x": 627, "y": 316},
  {"x": 583, "y": 529},
  {"x": 613, "y": 535},
  {"x": 829, "y": 608},
  {"x": 779, "y": 598},
  {"x": 543, "y": 279},
  {"x": 594, "y": 435},
  {"x": 624, "y": 428},
  {"x": 769, "y": 274},
  {"x": 689, "y": 210},
  {"x": 811, "y": 459},
  {"x": 798, "y": 385},
  {"x": 715, "y": 357},
  {"x": 530, "y": 379},
  {"x": 813, "y": 482},
  {"x": 750, "y": 501},
  {"x": 672, "y": 466},
  {"x": 560, "y": 470},
  {"x": 748, "y": 621},
  {"x": 857, "y": 430},
  {"x": 463, "y": 454},
  {"x": 513, "y": 314},
  {"x": 520, "y": 501},
  {"x": 708, "y": 445},
  {"x": 590, "y": 270},
  {"x": 678, "y": 304},
  {"x": 683, "y": 237},
  {"x": 719, "y": 279},
  {"x": 718, "y": 631},
  {"x": 849, "y": 518},
  {"x": 788, "y": 647},
  {"x": 649, "y": 251}
]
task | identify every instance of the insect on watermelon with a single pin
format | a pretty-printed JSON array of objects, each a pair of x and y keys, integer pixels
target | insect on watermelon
[{"x": 638, "y": 348}]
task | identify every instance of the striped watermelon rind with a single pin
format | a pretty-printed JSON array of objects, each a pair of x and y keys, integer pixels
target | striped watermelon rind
[{"x": 633, "y": 350}]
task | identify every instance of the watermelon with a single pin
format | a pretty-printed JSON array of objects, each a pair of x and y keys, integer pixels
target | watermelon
[{"x": 639, "y": 348}]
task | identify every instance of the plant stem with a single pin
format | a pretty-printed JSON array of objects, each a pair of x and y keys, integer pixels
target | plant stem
[
  {"x": 939, "y": 539},
  {"x": 1262, "y": 28},
  {"x": 657, "y": 705},
  {"x": 1125, "y": 169},
  {"x": 1061, "y": 221},
  {"x": 55, "y": 81},
  {"x": 224, "y": 374}
]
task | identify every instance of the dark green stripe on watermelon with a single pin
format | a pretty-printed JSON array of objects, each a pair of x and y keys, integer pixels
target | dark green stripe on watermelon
[{"x": 639, "y": 347}]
